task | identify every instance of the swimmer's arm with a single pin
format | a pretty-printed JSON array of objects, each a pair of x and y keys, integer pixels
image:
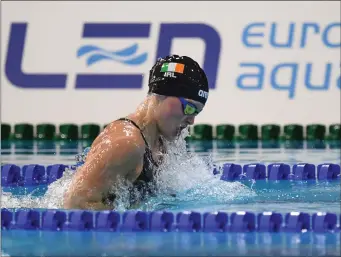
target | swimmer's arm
[{"x": 104, "y": 166}]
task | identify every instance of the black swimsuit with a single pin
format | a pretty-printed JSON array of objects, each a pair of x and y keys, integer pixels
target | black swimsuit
[{"x": 145, "y": 183}]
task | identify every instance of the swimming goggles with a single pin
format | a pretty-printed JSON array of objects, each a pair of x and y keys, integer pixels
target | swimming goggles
[{"x": 188, "y": 108}]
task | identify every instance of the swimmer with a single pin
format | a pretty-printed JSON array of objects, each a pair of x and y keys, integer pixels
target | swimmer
[{"x": 132, "y": 147}]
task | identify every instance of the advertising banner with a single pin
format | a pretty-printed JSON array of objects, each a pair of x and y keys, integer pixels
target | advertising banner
[{"x": 267, "y": 62}]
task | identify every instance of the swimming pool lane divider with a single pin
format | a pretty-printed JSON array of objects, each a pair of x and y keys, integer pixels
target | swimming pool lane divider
[
  {"x": 38, "y": 175},
  {"x": 140, "y": 221}
]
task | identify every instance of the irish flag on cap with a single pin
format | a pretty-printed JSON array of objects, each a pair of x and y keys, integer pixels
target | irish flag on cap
[{"x": 173, "y": 67}]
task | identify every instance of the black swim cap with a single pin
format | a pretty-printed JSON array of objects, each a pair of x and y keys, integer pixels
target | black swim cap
[{"x": 179, "y": 76}]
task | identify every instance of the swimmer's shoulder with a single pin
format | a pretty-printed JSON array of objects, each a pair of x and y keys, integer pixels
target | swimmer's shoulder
[{"x": 123, "y": 134}]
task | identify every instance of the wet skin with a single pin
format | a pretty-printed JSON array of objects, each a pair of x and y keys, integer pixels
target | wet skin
[{"x": 118, "y": 151}]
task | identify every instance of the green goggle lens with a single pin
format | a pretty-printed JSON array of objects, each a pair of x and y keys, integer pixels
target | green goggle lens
[{"x": 189, "y": 110}]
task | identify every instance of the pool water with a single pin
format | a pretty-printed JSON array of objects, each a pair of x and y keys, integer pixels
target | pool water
[
  {"x": 32, "y": 243},
  {"x": 197, "y": 189}
]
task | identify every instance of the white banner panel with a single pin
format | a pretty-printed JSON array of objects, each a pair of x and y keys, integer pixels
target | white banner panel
[{"x": 267, "y": 62}]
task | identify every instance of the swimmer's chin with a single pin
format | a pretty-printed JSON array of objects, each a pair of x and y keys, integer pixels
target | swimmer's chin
[
  {"x": 174, "y": 136},
  {"x": 171, "y": 138}
]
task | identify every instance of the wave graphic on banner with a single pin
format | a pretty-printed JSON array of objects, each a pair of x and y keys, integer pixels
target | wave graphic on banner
[{"x": 124, "y": 56}]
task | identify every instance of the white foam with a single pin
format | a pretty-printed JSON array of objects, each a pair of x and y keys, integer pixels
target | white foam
[
  {"x": 184, "y": 173},
  {"x": 52, "y": 199}
]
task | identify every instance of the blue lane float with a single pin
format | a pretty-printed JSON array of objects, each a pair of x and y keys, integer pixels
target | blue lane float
[
  {"x": 140, "y": 221},
  {"x": 269, "y": 222},
  {"x": 31, "y": 175},
  {"x": 216, "y": 222},
  {"x": 35, "y": 174},
  {"x": 278, "y": 171},
  {"x": 10, "y": 175},
  {"x": 255, "y": 171},
  {"x": 328, "y": 171}
]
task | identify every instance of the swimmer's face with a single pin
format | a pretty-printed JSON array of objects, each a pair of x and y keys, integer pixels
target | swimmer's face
[{"x": 171, "y": 117}]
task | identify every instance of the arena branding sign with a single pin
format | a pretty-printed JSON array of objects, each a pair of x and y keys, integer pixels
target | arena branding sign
[
  {"x": 251, "y": 39},
  {"x": 168, "y": 32},
  {"x": 263, "y": 65},
  {"x": 295, "y": 35}
]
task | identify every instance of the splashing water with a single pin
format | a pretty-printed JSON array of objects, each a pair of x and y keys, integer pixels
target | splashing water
[
  {"x": 182, "y": 173},
  {"x": 190, "y": 178},
  {"x": 52, "y": 199}
]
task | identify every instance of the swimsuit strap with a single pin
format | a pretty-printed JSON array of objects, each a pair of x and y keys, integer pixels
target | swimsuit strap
[
  {"x": 148, "y": 149},
  {"x": 132, "y": 122}
]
